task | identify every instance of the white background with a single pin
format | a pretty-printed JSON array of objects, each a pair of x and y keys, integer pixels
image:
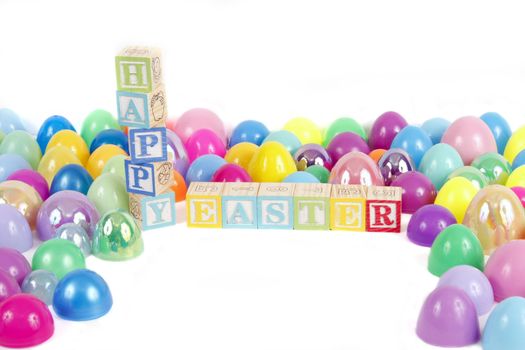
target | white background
[{"x": 266, "y": 60}]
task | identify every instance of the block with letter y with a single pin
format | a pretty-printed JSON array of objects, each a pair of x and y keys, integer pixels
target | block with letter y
[{"x": 153, "y": 212}]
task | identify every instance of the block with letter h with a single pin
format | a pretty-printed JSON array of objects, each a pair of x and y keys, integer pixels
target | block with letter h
[
  {"x": 312, "y": 206},
  {"x": 275, "y": 206},
  {"x": 204, "y": 205},
  {"x": 348, "y": 207},
  {"x": 153, "y": 212},
  {"x": 149, "y": 179},
  {"x": 383, "y": 209},
  {"x": 239, "y": 205}
]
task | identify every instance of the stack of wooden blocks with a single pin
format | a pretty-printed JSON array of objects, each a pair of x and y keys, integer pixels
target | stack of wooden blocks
[
  {"x": 141, "y": 106},
  {"x": 294, "y": 206}
]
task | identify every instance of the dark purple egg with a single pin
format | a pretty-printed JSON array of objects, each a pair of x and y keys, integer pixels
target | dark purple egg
[
  {"x": 393, "y": 163},
  {"x": 312, "y": 154}
]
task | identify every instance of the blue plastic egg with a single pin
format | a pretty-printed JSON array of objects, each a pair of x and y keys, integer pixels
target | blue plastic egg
[
  {"x": 499, "y": 128},
  {"x": 435, "y": 128},
  {"x": 249, "y": 131},
  {"x": 9, "y": 121},
  {"x": 50, "y": 127},
  {"x": 505, "y": 327},
  {"x": 285, "y": 138},
  {"x": 301, "y": 177},
  {"x": 414, "y": 141},
  {"x": 110, "y": 137},
  {"x": 203, "y": 168},
  {"x": 71, "y": 177}
]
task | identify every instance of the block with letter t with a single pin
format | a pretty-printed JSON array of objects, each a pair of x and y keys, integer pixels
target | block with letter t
[
  {"x": 312, "y": 206},
  {"x": 383, "y": 209}
]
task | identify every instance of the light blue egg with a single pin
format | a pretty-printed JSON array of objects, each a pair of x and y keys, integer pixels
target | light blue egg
[
  {"x": 9, "y": 121},
  {"x": 499, "y": 128},
  {"x": 519, "y": 160},
  {"x": 301, "y": 177},
  {"x": 505, "y": 327},
  {"x": 249, "y": 131},
  {"x": 435, "y": 128},
  {"x": 286, "y": 138},
  {"x": 414, "y": 141},
  {"x": 9, "y": 163},
  {"x": 439, "y": 162},
  {"x": 203, "y": 168}
]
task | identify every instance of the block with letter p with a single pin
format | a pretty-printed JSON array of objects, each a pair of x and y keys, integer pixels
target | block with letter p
[
  {"x": 203, "y": 204},
  {"x": 149, "y": 179},
  {"x": 383, "y": 209},
  {"x": 348, "y": 207},
  {"x": 312, "y": 206},
  {"x": 148, "y": 145},
  {"x": 275, "y": 206},
  {"x": 153, "y": 212}
]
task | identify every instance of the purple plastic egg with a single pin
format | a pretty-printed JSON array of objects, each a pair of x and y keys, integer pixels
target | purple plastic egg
[
  {"x": 418, "y": 191},
  {"x": 14, "y": 263},
  {"x": 312, "y": 154},
  {"x": 384, "y": 129},
  {"x": 427, "y": 223},
  {"x": 356, "y": 168},
  {"x": 393, "y": 163},
  {"x": 8, "y": 286},
  {"x": 345, "y": 143},
  {"x": 177, "y": 152},
  {"x": 231, "y": 173}
]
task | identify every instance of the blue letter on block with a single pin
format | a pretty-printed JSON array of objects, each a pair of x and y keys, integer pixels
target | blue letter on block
[
  {"x": 158, "y": 211},
  {"x": 239, "y": 212},
  {"x": 148, "y": 145},
  {"x": 140, "y": 178},
  {"x": 132, "y": 109},
  {"x": 275, "y": 213}
]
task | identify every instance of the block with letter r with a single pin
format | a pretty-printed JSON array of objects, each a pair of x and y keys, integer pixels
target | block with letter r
[
  {"x": 148, "y": 145},
  {"x": 149, "y": 179},
  {"x": 383, "y": 209}
]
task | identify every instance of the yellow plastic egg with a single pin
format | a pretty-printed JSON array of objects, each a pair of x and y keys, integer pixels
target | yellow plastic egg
[
  {"x": 456, "y": 195},
  {"x": 54, "y": 159},
  {"x": 515, "y": 144},
  {"x": 517, "y": 177},
  {"x": 71, "y": 140},
  {"x": 241, "y": 154},
  {"x": 99, "y": 158},
  {"x": 271, "y": 163},
  {"x": 305, "y": 130}
]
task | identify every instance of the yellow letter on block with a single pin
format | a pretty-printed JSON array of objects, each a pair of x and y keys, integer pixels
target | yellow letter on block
[
  {"x": 203, "y": 204},
  {"x": 348, "y": 207}
]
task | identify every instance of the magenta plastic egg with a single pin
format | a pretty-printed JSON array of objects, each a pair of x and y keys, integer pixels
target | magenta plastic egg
[
  {"x": 66, "y": 207},
  {"x": 14, "y": 263},
  {"x": 520, "y": 193},
  {"x": 312, "y": 154},
  {"x": 231, "y": 173},
  {"x": 384, "y": 129},
  {"x": 505, "y": 270},
  {"x": 471, "y": 137},
  {"x": 196, "y": 119},
  {"x": 204, "y": 142},
  {"x": 418, "y": 191},
  {"x": 33, "y": 179},
  {"x": 356, "y": 168},
  {"x": 345, "y": 143},
  {"x": 8, "y": 286},
  {"x": 25, "y": 321}
]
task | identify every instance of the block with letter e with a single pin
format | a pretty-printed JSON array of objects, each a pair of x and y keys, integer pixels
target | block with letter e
[
  {"x": 203, "y": 204},
  {"x": 153, "y": 212},
  {"x": 275, "y": 206},
  {"x": 239, "y": 205},
  {"x": 312, "y": 206},
  {"x": 149, "y": 179},
  {"x": 348, "y": 207},
  {"x": 383, "y": 209}
]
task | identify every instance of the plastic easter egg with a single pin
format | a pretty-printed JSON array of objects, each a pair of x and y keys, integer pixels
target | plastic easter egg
[
  {"x": 418, "y": 191},
  {"x": 110, "y": 137},
  {"x": 519, "y": 160},
  {"x": 50, "y": 127},
  {"x": 505, "y": 270},
  {"x": 356, "y": 168},
  {"x": 520, "y": 193},
  {"x": 71, "y": 177},
  {"x": 177, "y": 152},
  {"x": 285, "y": 138},
  {"x": 8, "y": 286},
  {"x": 196, "y": 119},
  {"x": 10, "y": 163},
  {"x": 505, "y": 327},
  {"x": 455, "y": 245},
  {"x": 203, "y": 168},
  {"x": 515, "y": 145},
  {"x": 384, "y": 129},
  {"x": 41, "y": 284},
  {"x": 15, "y": 232},
  {"x": 472, "y": 174},
  {"x": 517, "y": 177},
  {"x": 77, "y": 235},
  {"x": 25, "y": 321},
  {"x": 33, "y": 179},
  {"x": 73, "y": 142},
  {"x": 377, "y": 154},
  {"x": 115, "y": 165},
  {"x": 179, "y": 186},
  {"x": 439, "y": 162},
  {"x": 500, "y": 129},
  {"x": 54, "y": 160},
  {"x": 473, "y": 282},
  {"x": 312, "y": 154},
  {"x": 393, "y": 163},
  {"x": 435, "y": 128},
  {"x": 98, "y": 159},
  {"x": 95, "y": 122},
  {"x": 341, "y": 125},
  {"x": 24, "y": 144},
  {"x": 496, "y": 215},
  {"x": 117, "y": 237},
  {"x": 23, "y": 197},
  {"x": 456, "y": 195},
  {"x": 204, "y": 141},
  {"x": 471, "y": 137},
  {"x": 320, "y": 172},
  {"x": 448, "y": 318},
  {"x": 241, "y": 154},
  {"x": 305, "y": 130},
  {"x": 250, "y": 131},
  {"x": 82, "y": 295},
  {"x": 271, "y": 163},
  {"x": 345, "y": 143},
  {"x": 301, "y": 177},
  {"x": 59, "y": 256},
  {"x": 2, "y": 136},
  {"x": 66, "y": 207},
  {"x": 108, "y": 192},
  {"x": 14, "y": 263},
  {"x": 231, "y": 173},
  {"x": 494, "y": 166},
  {"x": 414, "y": 141},
  {"x": 9, "y": 121},
  {"x": 427, "y": 223}
]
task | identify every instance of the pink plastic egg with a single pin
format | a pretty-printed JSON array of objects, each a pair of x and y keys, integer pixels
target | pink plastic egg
[
  {"x": 505, "y": 270},
  {"x": 356, "y": 168},
  {"x": 196, "y": 119},
  {"x": 202, "y": 142},
  {"x": 231, "y": 173}
]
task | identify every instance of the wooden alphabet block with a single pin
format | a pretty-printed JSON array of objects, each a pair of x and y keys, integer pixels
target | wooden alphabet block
[
  {"x": 383, "y": 209},
  {"x": 138, "y": 69},
  {"x": 312, "y": 206},
  {"x": 203, "y": 204},
  {"x": 149, "y": 179},
  {"x": 142, "y": 110},
  {"x": 348, "y": 207},
  {"x": 275, "y": 206},
  {"x": 153, "y": 212},
  {"x": 148, "y": 145},
  {"x": 239, "y": 205}
]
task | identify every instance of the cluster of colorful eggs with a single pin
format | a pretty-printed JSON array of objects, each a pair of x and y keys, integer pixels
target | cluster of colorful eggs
[{"x": 70, "y": 189}]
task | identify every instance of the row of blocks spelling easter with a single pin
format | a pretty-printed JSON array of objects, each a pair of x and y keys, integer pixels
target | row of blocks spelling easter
[
  {"x": 141, "y": 106},
  {"x": 294, "y": 206}
]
